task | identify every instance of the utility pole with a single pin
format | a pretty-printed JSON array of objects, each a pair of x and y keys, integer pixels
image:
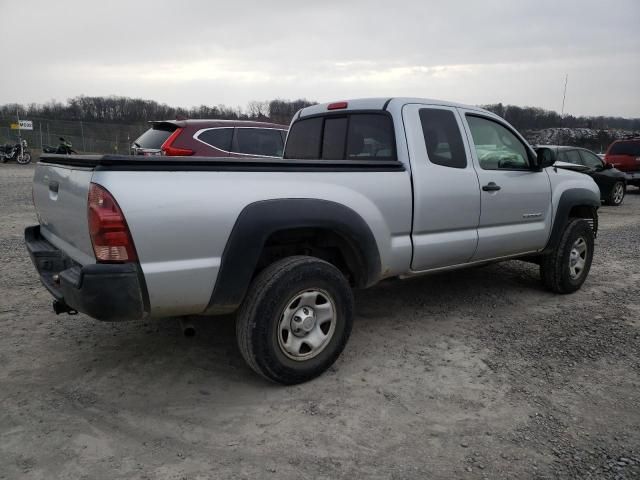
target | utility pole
[
  {"x": 84, "y": 148},
  {"x": 41, "y": 136},
  {"x": 19, "y": 131},
  {"x": 564, "y": 96},
  {"x": 48, "y": 137}
]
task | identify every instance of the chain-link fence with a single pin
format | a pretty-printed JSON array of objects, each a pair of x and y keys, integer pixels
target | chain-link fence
[{"x": 86, "y": 137}]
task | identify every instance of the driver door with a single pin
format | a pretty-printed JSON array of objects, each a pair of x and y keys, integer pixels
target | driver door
[{"x": 515, "y": 200}]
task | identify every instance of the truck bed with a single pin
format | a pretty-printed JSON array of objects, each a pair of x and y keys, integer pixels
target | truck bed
[{"x": 181, "y": 211}]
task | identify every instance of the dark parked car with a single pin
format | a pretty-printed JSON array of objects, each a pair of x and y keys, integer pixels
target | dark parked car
[
  {"x": 212, "y": 138},
  {"x": 610, "y": 180}
]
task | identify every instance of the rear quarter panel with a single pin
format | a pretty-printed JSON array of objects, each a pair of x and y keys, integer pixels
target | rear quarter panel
[{"x": 180, "y": 221}]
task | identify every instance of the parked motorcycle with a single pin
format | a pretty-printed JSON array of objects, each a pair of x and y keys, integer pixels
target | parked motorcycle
[
  {"x": 18, "y": 152},
  {"x": 64, "y": 148}
]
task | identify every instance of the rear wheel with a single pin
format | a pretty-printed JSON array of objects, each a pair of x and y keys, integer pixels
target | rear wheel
[
  {"x": 295, "y": 320},
  {"x": 616, "y": 196},
  {"x": 565, "y": 269}
]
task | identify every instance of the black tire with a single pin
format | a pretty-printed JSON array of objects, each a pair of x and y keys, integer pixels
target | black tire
[
  {"x": 555, "y": 266},
  {"x": 258, "y": 324},
  {"x": 26, "y": 159},
  {"x": 611, "y": 198}
]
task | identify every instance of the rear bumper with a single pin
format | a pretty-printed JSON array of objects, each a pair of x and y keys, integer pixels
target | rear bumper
[
  {"x": 108, "y": 292},
  {"x": 633, "y": 178}
]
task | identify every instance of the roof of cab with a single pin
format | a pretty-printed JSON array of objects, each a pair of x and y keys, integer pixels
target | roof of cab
[{"x": 381, "y": 103}]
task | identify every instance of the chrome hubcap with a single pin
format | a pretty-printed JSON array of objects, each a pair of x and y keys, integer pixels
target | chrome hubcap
[
  {"x": 307, "y": 324},
  {"x": 577, "y": 258},
  {"x": 618, "y": 193}
]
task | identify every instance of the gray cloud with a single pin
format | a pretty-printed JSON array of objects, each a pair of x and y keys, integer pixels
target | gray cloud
[{"x": 193, "y": 52}]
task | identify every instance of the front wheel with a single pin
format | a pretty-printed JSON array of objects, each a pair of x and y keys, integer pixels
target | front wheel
[
  {"x": 616, "y": 196},
  {"x": 295, "y": 320},
  {"x": 24, "y": 159},
  {"x": 565, "y": 269}
]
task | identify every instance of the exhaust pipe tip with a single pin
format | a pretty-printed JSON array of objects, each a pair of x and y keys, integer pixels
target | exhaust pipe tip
[
  {"x": 188, "y": 329},
  {"x": 61, "y": 307}
]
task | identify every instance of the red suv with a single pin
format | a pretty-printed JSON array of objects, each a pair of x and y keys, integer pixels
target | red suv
[
  {"x": 212, "y": 138},
  {"x": 625, "y": 156}
]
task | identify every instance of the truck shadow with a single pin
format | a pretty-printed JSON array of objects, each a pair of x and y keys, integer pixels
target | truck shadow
[{"x": 421, "y": 301}]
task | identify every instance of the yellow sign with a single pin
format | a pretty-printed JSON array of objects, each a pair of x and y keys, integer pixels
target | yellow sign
[{"x": 15, "y": 126}]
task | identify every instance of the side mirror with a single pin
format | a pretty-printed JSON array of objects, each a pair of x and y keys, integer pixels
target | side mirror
[
  {"x": 607, "y": 166},
  {"x": 544, "y": 158}
]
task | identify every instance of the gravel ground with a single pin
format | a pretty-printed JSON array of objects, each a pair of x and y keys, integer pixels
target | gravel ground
[{"x": 473, "y": 374}]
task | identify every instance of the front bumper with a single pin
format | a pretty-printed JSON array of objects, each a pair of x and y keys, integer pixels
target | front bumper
[{"x": 108, "y": 292}]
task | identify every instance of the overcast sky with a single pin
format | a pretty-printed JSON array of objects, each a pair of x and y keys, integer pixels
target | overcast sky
[{"x": 193, "y": 52}]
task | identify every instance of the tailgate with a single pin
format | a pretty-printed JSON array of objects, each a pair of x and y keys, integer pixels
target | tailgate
[{"x": 60, "y": 196}]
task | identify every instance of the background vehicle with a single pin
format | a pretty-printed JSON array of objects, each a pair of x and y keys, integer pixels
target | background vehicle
[
  {"x": 211, "y": 138},
  {"x": 63, "y": 148},
  {"x": 625, "y": 156},
  {"x": 17, "y": 152},
  {"x": 367, "y": 189},
  {"x": 611, "y": 181}
]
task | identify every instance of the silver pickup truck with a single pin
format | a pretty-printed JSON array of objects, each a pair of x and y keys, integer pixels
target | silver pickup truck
[{"x": 367, "y": 189}]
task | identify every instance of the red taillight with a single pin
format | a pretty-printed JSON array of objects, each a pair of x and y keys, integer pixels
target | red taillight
[
  {"x": 108, "y": 229},
  {"x": 337, "y": 106},
  {"x": 168, "y": 149}
]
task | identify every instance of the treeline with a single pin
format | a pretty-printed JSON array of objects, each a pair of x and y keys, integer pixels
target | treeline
[
  {"x": 129, "y": 111},
  {"x": 132, "y": 111},
  {"x": 533, "y": 118}
]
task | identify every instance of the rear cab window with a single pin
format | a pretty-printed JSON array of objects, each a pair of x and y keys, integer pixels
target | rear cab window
[
  {"x": 344, "y": 136},
  {"x": 155, "y": 136}
]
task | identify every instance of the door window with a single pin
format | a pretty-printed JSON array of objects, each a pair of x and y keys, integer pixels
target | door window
[
  {"x": 591, "y": 160},
  {"x": 219, "y": 138},
  {"x": 497, "y": 148},
  {"x": 442, "y": 138},
  {"x": 258, "y": 141},
  {"x": 570, "y": 156}
]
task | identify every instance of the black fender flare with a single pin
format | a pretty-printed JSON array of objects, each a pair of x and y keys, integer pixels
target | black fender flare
[
  {"x": 259, "y": 220},
  {"x": 574, "y": 197}
]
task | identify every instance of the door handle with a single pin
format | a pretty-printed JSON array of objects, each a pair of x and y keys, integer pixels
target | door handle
[{"x": 491, "y": 187}]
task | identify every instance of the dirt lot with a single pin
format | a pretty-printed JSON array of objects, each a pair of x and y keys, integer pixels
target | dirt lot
[{"x": 473, "y": 374}]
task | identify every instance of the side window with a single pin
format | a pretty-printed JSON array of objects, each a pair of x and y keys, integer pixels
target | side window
[
  {"x": 304, "y": 139},
  {"x": 590, "y": 159},
  {"x": 442, "y": 138},
  {"x": 370, "y": 136},
  {"x": 496, "y": 147},
  {"x": 570, "y": 156},
  {"x": 283, "y": 134},
  {"x": 219, "y": 138},
  {"x": 258, "y": 141}
]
